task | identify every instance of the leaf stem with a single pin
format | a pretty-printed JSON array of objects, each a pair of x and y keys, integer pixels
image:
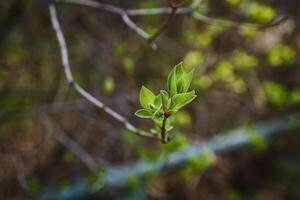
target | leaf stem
[{"x": 163, "y": 128}]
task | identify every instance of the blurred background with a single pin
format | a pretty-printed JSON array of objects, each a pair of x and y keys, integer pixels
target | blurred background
[{"x": 243, "y": 75}]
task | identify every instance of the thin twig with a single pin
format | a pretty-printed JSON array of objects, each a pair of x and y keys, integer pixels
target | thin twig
[
  {"x": 158, "y": 11},
  {"x": 134, "y": 27},
  {"x": 20, "y": 175},
  {"x": 119, "y": 11},
  {"x": 163, "y": 128},
  {"x": 163, "y": 27},
  {"x": 78, "y": 88},
  {"x": 125, "y": 13},
  {"x": 233, "y": 24},
  {"x": 137, "y": 29},
  {"x": 168, "y": 10},
  {"x": 93, "y": 4}
]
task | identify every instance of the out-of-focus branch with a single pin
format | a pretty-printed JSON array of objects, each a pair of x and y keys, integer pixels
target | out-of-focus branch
[
  {"x": 164, "y": 26},
  {"x": 175, "y": 162},
  {"x": 125, "y": 13},
  {"x": 227, "y": 141},
  {"x": 232, "y": 24},
  {"x": 138, "y": 30},
  {"x": 134, "y": 27},
  {"x": 130, "y": 12},
  {"x": 78, "y": 88},
  {"x": 66, "y": 141}
]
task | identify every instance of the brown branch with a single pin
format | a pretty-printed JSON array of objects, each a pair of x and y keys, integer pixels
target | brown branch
[
  {"x": 164, "y": 26},
  {"x": 163, "y": 129}
]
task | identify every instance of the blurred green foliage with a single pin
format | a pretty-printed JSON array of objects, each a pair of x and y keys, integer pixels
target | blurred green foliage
[
  {"x": 234, "y": 2},
  {"x": 97, "y": 179},
  {"x": 243, "y": 61},
  {"x": 247, "y": 31},
  {"x": 192, "y": 59},
  {"x": 34, "y": 185},
  {"x": 275, "y": 93},
  {"x": 198, "y": 164},
  {"x": 257, "y": 141},
  {"x": 109, "y": 84},
  {"x": 281, "y": 55},
  {"x": 260, "y": 13}
]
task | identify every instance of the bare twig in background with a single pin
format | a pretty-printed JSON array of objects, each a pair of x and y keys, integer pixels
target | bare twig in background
[
  {"x": 125, "y": 13},
  {"x": 134, "y": 27},
  {"x": 233, "y": 24},
  {"x": 61, "y": 93},
  {"x": 164, "y": 26},
  {"x": 74, "y": 147},
  {"x": 78, "y": 88},
  {"x": 137, "y": 29},
  {"x": 20, "y": 175},
  {"x": 168, "y": 10},
  {"x": 120, "y": 11}
]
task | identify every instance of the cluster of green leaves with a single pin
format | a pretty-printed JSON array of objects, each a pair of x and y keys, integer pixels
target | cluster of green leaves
[
  {"x": 260, "y": 13},
  {"x": 197, "y": 163},
  {"x": 281, "y": 55},
  {"x": 257, "y": 141},
  {"x": 280, "y": 96},
  {"x": 230, "y": 72},
  {"x": 162, "y": 106}
]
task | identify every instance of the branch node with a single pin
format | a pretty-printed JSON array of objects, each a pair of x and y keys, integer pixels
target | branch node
[{"x": 71, "y": 83}]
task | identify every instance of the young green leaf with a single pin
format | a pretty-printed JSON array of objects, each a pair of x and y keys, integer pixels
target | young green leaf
[
  {"x": 160, "y": 108},
  {"x": 157, "y": 101},
  {"x": 146, "y": 97},
  {"x": 172, "y": 85},
  {"x": 180, "y": 100},
  {"x": 180, "y": 85},
  {"x": 169, "y": 128},
  {"x": 158, "y": 120},
  {"x": 157, "y": 112},
  {"x": 164, "y": 98},
  {"x": 143, "y": 113},
  {"x": 187, "y": 79},
  {"x": 179, "y": 74},
  {"x": 179, "y": 80},
  {"x": 154, "y": 131},
  {"x": 179, "y": 70}
]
